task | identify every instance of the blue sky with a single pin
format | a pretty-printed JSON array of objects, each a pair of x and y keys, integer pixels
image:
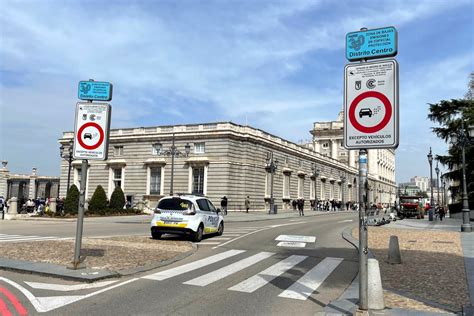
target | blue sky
[{"x": 276, "y": 65}]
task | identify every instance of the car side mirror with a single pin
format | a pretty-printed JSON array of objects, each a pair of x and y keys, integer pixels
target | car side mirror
[{"x": 218, "y": 210}]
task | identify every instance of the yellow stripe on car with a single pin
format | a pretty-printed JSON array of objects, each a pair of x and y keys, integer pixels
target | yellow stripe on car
[{"x": 163, "y": 224}]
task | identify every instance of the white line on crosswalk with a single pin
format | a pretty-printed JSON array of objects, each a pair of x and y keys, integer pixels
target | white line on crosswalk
[
  {"x": 231, "y": 235},
  {"x": 220, "y": 238},
  {"x": 192, "y": 266},
  {"x": 266, "y": 276},
  {"x": 228, "y": 270},
  {"x": 209, "y": 243},
  {"x": 313, "y": 279}
]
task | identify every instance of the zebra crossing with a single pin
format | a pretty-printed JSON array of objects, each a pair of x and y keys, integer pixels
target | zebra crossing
[
  {"x": 15, "y": 238},
  {"x": 301, "y": 289}
]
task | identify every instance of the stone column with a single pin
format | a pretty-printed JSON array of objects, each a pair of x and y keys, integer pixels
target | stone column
[
  {"x": 351, "y": 158},
  {"x": 317, "y": 147},
  {"x": 32, "y": 190},
  {"x": 334, "y": 144},
  {"x": 4, "y": 175},
  {"x": 13, "y": 206},
  {"x": 52, "y": 205}
]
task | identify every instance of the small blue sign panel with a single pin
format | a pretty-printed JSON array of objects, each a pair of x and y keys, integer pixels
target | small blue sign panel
[
  {"x": 370, "y": 44},
  {"x": 95, "y": 91}
]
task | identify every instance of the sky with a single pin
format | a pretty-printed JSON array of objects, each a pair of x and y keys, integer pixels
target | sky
[{"x": 274, "y": 65}]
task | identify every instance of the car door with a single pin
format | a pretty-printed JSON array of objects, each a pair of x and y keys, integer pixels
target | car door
[
  {"x": 206, "y": 215},
  {"x": 213, "y": 217}
]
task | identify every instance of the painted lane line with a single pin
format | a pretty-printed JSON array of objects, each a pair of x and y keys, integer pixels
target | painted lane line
[
  {"x": 231, "y": 235},
  {"x": 241, "y": 236},
  {"x": 15, "y": 302},
  {"x": 288, "y": 224},
  {"x": 296, "y": 238},
  {"x": 312, "y": 280},
  {"x": 24, "y": 239},
  {"x": 266, "y": 276},
  {"x": 346, "y": 220},
  {"x": 34, "y": 301},
  {"x": 66, "y": 287},
  {"x": 192, "y": 266},
  {"x": 208, "y": 243},
  {"x": 221, "y": 273},
  {"x": 291, "y": 244},
  {"x": 221, "y": 238}
]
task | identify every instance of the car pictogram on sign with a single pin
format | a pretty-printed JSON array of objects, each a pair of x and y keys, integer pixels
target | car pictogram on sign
[
  {"x": 365, "y": 112},
  {"x": 88, "y": 135}
]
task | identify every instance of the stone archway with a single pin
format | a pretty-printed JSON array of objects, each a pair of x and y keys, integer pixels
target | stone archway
[{"x": 47, "y": 190}]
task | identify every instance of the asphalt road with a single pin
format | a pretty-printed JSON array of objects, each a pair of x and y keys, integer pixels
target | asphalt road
[{"x": 308, "y": 279}]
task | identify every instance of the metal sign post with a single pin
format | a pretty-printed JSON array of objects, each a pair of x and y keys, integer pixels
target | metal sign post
[
  {"x": 370, "y": 116},
  {"x": 91, "y": 141},
  {"x": 363, "y": 245}
]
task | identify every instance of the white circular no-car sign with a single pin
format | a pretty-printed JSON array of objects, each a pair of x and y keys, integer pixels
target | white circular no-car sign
[
  {"x": 91, "y": 130},
  {"x": 371, "y": 105}
]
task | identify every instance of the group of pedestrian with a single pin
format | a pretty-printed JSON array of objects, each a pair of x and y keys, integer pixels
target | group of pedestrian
[{"x": 225, "y": 201}]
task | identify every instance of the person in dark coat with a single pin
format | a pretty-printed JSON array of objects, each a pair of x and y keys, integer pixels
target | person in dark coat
[{"x": 224, "y": 205}]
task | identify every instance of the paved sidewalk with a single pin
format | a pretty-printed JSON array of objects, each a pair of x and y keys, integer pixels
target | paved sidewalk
[{"x": 348, "y": 301}]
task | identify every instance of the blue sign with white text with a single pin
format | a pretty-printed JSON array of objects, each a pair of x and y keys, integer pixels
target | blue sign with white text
[
  {"x": 95, "y": 91},
  {"x": 370, "y": 44}
]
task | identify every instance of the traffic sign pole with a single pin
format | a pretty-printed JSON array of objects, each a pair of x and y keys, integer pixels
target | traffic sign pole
[
  {"x": 77, "y": 263},
  {"x": 363, "y": 235}
]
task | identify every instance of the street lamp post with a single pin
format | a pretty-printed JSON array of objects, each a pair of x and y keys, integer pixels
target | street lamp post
[
  {"x": 271, "y": 166},
  {"x": 437, "y": 183},
  {"x": 430, "y": 160},
  {"x": 464, "y": 139},
  {"x": 69, "y": 157},
  {"x": 343, "y": 182},
  {"x": 316, "y": 172},
  {"x": 443, "y": 197},
  {"x": 174, "y": 152}
]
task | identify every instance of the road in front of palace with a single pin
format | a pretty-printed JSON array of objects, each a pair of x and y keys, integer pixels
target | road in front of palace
[{"x": 247, "y": 273}]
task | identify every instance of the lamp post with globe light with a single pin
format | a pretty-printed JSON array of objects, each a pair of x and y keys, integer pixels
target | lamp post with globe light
[
  {"x": 462, "y": 138},
  {"x": 174, "y": 152},
  {"x": 430, "y": 211},
  {"x": 316, "y": 172},
  {"x": 67, "y": 155}
]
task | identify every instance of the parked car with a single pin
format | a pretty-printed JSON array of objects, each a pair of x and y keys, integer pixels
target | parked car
[{"x": 187, "y": 214}]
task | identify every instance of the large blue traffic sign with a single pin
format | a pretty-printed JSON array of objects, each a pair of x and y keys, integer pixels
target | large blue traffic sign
[
  {"x": 370, "y": 44},
  {"x": 95, "y": 91}
]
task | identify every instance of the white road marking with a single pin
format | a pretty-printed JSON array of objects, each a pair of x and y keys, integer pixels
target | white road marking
[
  {"x": 291, "y": 244},
  {"x": 296, "y": 238},
  {"x": 231, "y": 235},
  {"x": 67, "y": 287},
  {"x": 346, "y": 220},
  {"x": 266, "y": 276},
  {"x": 221, "y": 238},
  {"x": 24, "y": 238},
  {"x": 288, "y": 224},
  {"x": 46, "y": 304},
  {"x": 162, "y": 275},
  {"x": 313, "y": 279},
  {"x": 229, "y": 270},
  {"x": 208, "y": 243}
]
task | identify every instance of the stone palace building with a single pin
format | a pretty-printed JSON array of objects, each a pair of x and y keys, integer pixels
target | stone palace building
[{"x": 224, "y": 159}]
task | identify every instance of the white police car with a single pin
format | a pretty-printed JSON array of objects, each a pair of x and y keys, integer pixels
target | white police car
[{"x": 186, "y": 214}]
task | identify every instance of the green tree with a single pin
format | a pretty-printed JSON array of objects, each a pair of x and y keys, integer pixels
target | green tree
[
  {"x": 422, "y": 194},
  {"x": 450, "y": 115},
  {"x": 98, "y": 201},
  {"x": 117, "y": 200},
  {"x": 71, "y": 204}
]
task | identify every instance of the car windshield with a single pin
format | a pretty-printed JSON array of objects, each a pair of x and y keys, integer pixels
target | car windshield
[{"x": 175, "y": 204}]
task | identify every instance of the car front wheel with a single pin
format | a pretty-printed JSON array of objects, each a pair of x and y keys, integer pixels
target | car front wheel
[
  {"x": 197, "y": 236},
  {"x": 155, "y": 235},
  {"x": 220, "y": 230}
]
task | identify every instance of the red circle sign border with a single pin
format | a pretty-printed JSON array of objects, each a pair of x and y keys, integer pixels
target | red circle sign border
[
  {"x": 101, "y": 135},
  {"x": 385, "y": 120}
]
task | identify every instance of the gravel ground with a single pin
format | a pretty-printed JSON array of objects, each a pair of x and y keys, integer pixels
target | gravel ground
[
  {"x": 432, "y": 268},
  {"x": 115, "y": 254}
]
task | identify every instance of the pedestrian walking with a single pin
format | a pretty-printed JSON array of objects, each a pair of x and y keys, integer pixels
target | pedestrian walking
[
  {"x": 301, "y": 207},
  {"x": 224, "y": 205},
  {"x": 441, "y": 213},
  {"x": 247, "y": 203}
]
